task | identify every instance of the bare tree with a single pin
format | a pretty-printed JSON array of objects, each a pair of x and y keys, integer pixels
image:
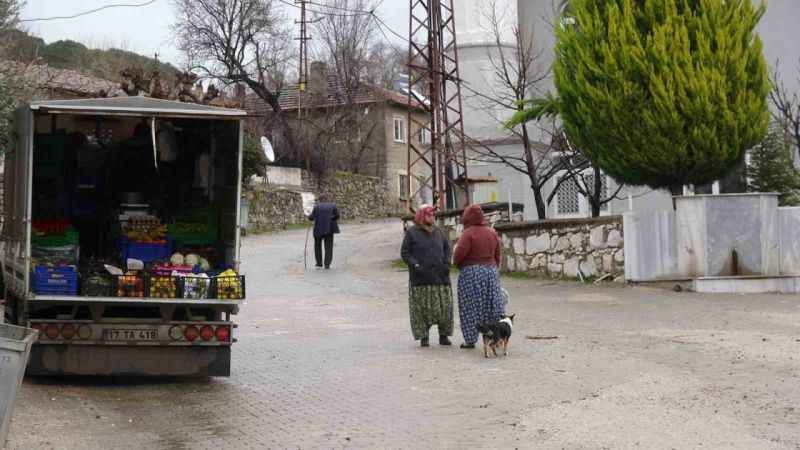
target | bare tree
[
  {"x": 785, "y": 107},
  {"x": 239, "y": 41},
  {"x": 344, "y": 136},
  {"x": 515, "y": 77},
  {"x": 588, "y": 179}
]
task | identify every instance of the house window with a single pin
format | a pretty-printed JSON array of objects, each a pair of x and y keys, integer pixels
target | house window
[
  {"x": 399, "y": 129},
  {"x": 567, "y": 199},
  {"x": 424, "y": 136},
  {"x": 402, "y": 185}
]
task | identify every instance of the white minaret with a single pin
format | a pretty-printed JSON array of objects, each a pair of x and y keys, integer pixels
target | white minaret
[
  {"x": 476, "y": 48},
  {"x": 473, "y": 20}
]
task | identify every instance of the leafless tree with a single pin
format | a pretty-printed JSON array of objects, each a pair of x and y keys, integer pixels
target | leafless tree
[
  {"x": 239, "y": 41},
  {"x": 344, "y": 136},
  {"x": 785, "y": 107},
  {"x": 587, "y": 177},
  {"x": 515, "y": 76}
]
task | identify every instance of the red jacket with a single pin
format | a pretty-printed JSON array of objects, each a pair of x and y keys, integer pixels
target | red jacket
[{"x": 479, "y": 244}]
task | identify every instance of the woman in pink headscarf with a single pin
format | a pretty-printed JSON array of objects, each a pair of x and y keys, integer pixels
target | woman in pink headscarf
[{"x": 426, "y": 251}]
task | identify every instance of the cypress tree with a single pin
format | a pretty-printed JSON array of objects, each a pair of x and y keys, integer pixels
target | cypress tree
[{"x": 662, "y": 92}]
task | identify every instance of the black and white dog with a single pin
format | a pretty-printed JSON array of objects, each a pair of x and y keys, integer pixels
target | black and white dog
[{"x": 496, "y": 334}]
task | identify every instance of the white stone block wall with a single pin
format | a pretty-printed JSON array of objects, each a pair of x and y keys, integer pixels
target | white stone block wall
[{"x": 591, "y": 248}]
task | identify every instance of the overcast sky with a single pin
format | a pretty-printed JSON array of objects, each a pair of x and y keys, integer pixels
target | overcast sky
[{"x": 146, "y": 29}]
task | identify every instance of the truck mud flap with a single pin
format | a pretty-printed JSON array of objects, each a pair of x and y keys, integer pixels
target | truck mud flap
[{"x": 153, "y": 361}]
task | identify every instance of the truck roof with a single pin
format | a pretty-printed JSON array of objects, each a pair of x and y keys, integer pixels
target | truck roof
[{"x": 135, "y": 106}]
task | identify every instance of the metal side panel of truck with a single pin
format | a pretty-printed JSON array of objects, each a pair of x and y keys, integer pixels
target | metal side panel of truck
[{"x": 84, "y": 337}]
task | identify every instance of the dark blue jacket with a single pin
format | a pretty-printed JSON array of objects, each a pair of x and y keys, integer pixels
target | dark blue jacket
[
  {"x": 427, "y": 256},
  {"x": 325, "y": 217}
]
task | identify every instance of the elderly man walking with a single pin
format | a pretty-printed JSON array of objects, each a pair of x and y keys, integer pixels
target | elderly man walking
[{"x": 325, "y": 217}]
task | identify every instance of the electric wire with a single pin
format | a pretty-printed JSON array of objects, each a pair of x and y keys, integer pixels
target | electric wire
[{"x": 92, "y": 11}]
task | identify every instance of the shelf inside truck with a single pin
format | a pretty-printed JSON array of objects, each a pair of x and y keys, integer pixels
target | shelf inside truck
[{"x": 134, "y": 300}]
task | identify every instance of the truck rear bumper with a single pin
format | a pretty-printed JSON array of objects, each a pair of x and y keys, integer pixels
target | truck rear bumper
[{"x": 156, "y": 361}]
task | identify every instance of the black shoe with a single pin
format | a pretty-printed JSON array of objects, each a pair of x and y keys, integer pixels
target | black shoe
[
  {"x": 443, "y": 340},
  {"x": 327, "y": 267},
  {"x": 465, "y": 345},
  {"x": 424, "y": 342},
  {"x": 318, "y": 266}
]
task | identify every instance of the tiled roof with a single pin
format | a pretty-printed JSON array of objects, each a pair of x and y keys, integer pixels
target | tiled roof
[{"x": 336, "y": 96}]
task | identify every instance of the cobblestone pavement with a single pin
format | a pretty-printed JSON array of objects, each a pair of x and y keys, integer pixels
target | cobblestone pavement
[{"x": 325, "y": 360}]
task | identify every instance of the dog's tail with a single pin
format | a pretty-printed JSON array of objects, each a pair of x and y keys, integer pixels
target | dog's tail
[{"x": 482, "y": 328}]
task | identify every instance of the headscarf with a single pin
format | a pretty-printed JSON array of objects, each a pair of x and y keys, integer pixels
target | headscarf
[
  {"x": 423, "y": 211},
  {"x": 473, "y": 216}
]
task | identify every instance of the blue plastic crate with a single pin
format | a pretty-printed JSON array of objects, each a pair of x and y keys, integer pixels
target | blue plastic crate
[
  {"x": 145, "y": 251},
  {"x": 55, "y": 280}
]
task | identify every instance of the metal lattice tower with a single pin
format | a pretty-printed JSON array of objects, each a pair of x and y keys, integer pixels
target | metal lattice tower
[{"x": 434, "y": 83}]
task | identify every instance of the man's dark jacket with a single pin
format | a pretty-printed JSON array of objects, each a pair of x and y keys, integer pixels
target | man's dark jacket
[
  {"x": 427, "y": 256},
  {"x": 325, "y": 217}
]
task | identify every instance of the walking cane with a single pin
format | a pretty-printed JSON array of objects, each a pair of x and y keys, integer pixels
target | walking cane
[{"x": 305, "y": 249}]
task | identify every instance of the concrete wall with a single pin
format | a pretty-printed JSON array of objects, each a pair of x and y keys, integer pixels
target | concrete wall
[
  {"x": 789, "y": 240},
  {"x": 565, "y": 248},
  {"x": 710, "y": 228},
  {"x": 652, "y": 246},
  {"x": 698, "y": 239}
]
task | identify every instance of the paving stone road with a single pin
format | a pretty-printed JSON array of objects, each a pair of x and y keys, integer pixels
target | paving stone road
[{"x": 325, "y": 360}]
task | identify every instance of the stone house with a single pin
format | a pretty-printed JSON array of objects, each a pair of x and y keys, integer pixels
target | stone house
[{"x": 362, "y": 130}]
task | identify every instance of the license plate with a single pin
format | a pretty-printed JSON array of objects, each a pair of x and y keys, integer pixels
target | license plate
[{"x": 149, "y": 334}]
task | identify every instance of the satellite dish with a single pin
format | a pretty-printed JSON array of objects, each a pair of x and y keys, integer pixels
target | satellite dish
[{"x": 267, "y": 147}]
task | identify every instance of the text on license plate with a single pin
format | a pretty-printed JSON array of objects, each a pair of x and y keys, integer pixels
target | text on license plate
[{"x": 130, "y": 335}]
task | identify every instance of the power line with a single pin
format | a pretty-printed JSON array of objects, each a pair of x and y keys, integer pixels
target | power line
[
  {"x": 355, "y": 14},
  {"x": 119, "y": 5}
]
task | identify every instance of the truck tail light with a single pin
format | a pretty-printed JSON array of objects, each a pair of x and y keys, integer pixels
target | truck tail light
[
  {"x": 223, "y": 333},
  {"x": 68, "y": 331},
  {"x": 51, "y": 331},
  {"x": 84, "y": 332},
  {"x": 207, "y": 333},
  {"x": 191, "y": 333},
  {"x": 176, "y": 333}
]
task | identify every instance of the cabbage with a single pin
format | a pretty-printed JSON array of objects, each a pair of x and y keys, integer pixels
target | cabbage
[{"x": 177, "y": 259}]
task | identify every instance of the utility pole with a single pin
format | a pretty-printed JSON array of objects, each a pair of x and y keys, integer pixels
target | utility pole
[
  {"x": 302, "y": 75},
  {"x": 435, "y": 84}
]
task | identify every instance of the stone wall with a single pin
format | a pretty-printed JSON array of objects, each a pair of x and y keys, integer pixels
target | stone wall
[
  {"x": 273, "y": 209},
  {"x": 563, "y": 248},
  {"x": 356, "y": 197}
]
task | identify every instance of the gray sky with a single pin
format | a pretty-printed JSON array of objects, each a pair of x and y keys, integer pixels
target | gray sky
[{"x": 144, "y": 30}]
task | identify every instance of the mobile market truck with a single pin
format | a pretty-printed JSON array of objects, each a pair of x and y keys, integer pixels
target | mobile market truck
[{"x": 121, "y": 235}]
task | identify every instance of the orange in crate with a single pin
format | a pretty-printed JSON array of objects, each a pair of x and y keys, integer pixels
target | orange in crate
[
  {"x": 130, "y": 286},
  {"x": 163, "y": 287}
]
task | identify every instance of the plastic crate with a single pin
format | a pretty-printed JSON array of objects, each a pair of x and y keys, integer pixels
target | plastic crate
[
  {"x": 195, "y": 227},
  {"x": 145, "y": 251},
  {"x": 195, "y": 287},
  {"x": 159, "y": 286},
  {"x": 129, "y": 286},
  {"x": 228, "y": 287},
  {"x": 97, "y": 286},
  {"x": 55, "y": 280},
  {"x": 68, "y": 238}
]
